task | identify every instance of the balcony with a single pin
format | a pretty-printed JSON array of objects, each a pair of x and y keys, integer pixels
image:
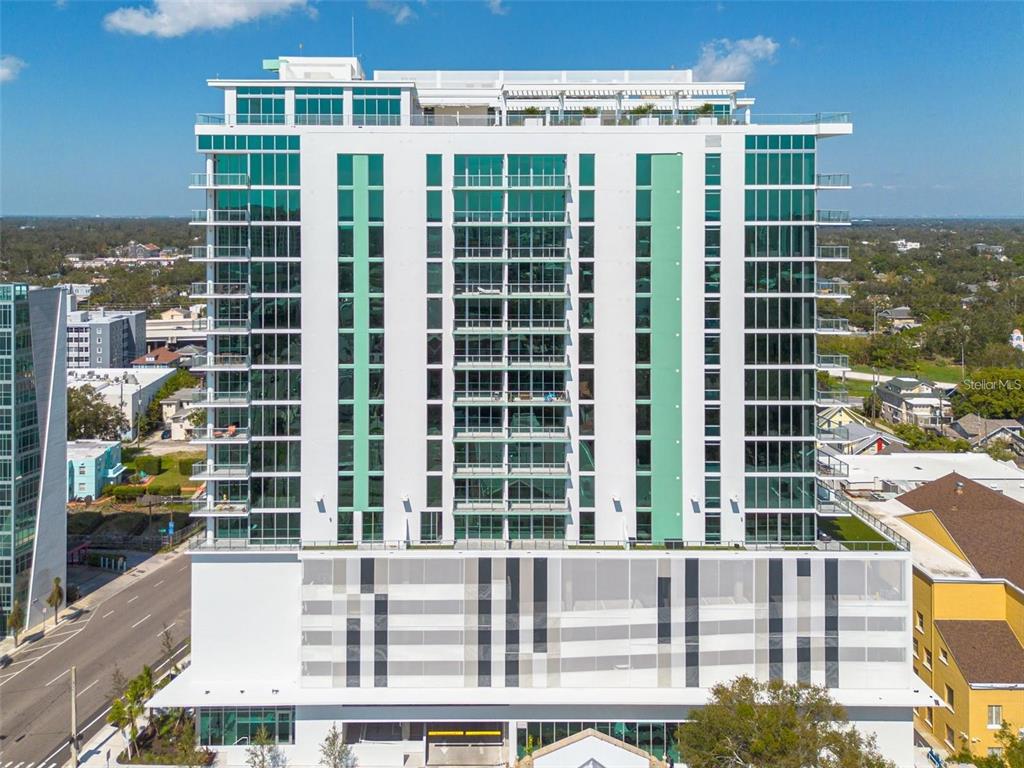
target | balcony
[
  {"x": 831, "y": 397},
  {"x": 538, "y": 325},
  {"x": 541, "y": 361},
  {"x": 230, "y": 362},
  {"x": 532, "y": 432},
  {"x": 468, "y": 326},
  {"x": 832, "y": 326},
  {"x": 209, "y": 398},
  {"x": 834, "y": 253},
  {"x": 511, "y": 470},
  {"x": 538, "y": 398},
  {"x": 213, "y": 290},
  {"x": 209, "y": 434},
  {"x": 207, "y": 470},
  {"x": 219, "y": 253},
  {"x": 511, "y": 181},
  {"x": 609, "y": 118},
  {"x": 218, "y": 181},
  {"x": 546, "y": 290},
  {"x": 829, "y": 465},
  {"x": 222, "y": 326},
  {"x": 833, "y": 362},
  {"x": 827, "y": 432},
  {"x": 832, "y": 181},
  {"x": 825, "y": 217},
  {"x": 832, "y": 289},
  {"x": 501, "y": 254},
  {"x": 208, "y": 216},
  {"x": 537, "y": 506},
  {"x": 204, "y": 506}
]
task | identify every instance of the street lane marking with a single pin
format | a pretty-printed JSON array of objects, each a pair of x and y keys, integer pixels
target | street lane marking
[
  {"x": 158, "y": 583},
  {"x": 108, "y": 613},
  {"x": 58, "y": 677},
  {"x": 134, "y": 598},
  {"x": 166, "y": 628},
  {"x": 183, "y": 568},
  {"x": 141, "y": 620},
  {"x": 83, "y": 729},
  {"x": 90, "y": 685}
]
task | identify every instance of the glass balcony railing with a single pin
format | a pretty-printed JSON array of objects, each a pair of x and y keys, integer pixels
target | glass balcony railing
[
  {"x": 218, "y": 180},
  {"x": 226, "y": 362},
  {"x": 829, "y": 325},
  {"x": 832, "y": 289},
  {"x": 219, "y": 216},
  {"x": 221, "y": 325},
  {"x": 828, "y": 217},
  {"x": 220, "y": 253},
  {"x": 550, "y": 118},
  {"x": 215, "y": 290},
  {"x": 830, "y": 397},
  {"x": 206, "y": 506},
  {"x": 502, "y": 181},
  {"x": 832, "y": 253},
  {"x": 833, "y": 362},
  {"x": 208, "y": 433},
  {"x": 832, "y": 180},
  {"x": 213, "y": 470},
  {"x": 217, "y": 399},
  {"x": 830, "y": 465}
]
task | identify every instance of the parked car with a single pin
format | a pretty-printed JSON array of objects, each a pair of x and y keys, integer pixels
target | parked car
[{"x": 165, "y": 435}]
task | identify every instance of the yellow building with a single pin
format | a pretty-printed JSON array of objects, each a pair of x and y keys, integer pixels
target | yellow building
[{"x": 968, "y": 635}]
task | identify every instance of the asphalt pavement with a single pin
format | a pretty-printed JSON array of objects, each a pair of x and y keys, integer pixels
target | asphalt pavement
[{"x": 120, "y": 630}]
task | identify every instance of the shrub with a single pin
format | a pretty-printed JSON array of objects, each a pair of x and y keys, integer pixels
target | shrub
[
  {"x": 82, "y": 523},
  {"x": 127, "y": 492},
  {"x": 185, "y": 467},
  {"x": 159, "y": 488},
  {"x": 149, "y": 464}
]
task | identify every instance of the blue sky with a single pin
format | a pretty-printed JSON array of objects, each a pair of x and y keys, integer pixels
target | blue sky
[{"x": 97, "y": 99}]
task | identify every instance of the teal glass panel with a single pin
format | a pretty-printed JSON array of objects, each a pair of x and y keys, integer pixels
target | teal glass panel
[
  {"x": 433, "y": 170},
  {"x": 586, "y": 170}
]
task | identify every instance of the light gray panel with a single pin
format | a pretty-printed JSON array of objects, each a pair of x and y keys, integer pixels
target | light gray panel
[{"x": 317, "y": 572}]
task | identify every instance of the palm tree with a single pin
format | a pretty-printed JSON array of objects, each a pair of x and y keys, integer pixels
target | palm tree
[
  {"x": 56, "y": 598},
  {"x": 16, "y": 620}
]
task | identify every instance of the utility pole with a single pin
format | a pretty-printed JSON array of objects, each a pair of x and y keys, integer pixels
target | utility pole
[{"x": 74, "y": 719}]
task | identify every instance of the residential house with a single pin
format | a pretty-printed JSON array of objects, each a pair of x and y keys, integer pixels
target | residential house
[
  {"x": 161, "y": 357},
  {"x": 129, "y": 389},
  {"x": 903, "y": 246},
  {"x": 92, "y": 465},
  {"x": 907, "y": 400},
  {"x": 981, "y": 433},
  {"x": 899, "y": 318},
  {"x": 176, "y": 412},
  {"x": 1017, "y": 339}
]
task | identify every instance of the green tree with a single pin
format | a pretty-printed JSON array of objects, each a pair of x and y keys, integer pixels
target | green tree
[
  {"x": 90, "y": 417},
  {"x": 120, "y": 717},
  {"x": 56, "y": 598},
  {"x": 334, "y": 752},
  {"x": 1012, "y": 755},
  {"x": 16, "y": 620},
  {"x": 992, "y": 393},
  {"x": 918, "y": 439},
  {"x": 753, "y": 724},
  {"x": 871, "y": 406},
  {"x": 264, "y": 752}
]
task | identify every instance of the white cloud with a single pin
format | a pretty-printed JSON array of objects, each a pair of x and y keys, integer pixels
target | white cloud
[
  {"x": 10, "y": 68},
  {"x": 399, "y": 12},
  {"x": 727, "y": 60},
  {"x": 498, "y": 7},
  {"x": 174, "y": 18}
]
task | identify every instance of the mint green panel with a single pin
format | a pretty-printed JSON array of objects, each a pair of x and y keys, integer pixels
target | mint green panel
[
  {"x": 666, "y": 347},
  {"x": 361, "y": 278}
]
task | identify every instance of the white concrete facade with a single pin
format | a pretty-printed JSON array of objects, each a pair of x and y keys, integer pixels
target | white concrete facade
[{"x": 469, "y": 636}]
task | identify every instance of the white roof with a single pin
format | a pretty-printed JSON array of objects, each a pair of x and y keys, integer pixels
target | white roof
[
  {"x": 88, "y": 449},
  {"x": 908, "y": 470},
  {"x": 131, "y": 379}
]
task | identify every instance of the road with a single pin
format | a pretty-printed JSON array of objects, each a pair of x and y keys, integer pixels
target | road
[{"x": 123, "y": 631}]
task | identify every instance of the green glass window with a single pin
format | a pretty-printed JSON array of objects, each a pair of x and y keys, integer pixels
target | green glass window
[
  {"x": 643, "y": 205},
  {"x": 375, "y": 170},
  {"x": 587, "y": 205},
  {"x": 345, "y": 175},
  {"x": 586, "y": 170},
  {"x": 433, "y": 205},
  {"x": 643, "y": 170},
  {"x": 433, "y": 170}
]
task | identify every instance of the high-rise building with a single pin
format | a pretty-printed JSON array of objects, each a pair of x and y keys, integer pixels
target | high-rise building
[
  {"x": 102, "y": 338},
  {"x": 33, "y": 456},
  {"x": 511, "y": 390}
]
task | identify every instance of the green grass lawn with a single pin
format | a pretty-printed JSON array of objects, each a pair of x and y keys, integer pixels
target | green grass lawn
[
  {"x": 856, "y": 388},
  {"x": 170, "y": 477},
  {"x": 926, "y": 368},
  {"x": 851, "y": 529}
]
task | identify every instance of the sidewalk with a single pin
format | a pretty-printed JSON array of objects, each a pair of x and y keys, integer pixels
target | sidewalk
[
  {"x": 31, "y": 635},
  {"x": 101, "y": 750}
]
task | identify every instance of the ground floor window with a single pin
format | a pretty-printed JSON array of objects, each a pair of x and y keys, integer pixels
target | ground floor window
[
  {"x": 231, "y": 726},
  {"x": 658, "y": 739}
]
